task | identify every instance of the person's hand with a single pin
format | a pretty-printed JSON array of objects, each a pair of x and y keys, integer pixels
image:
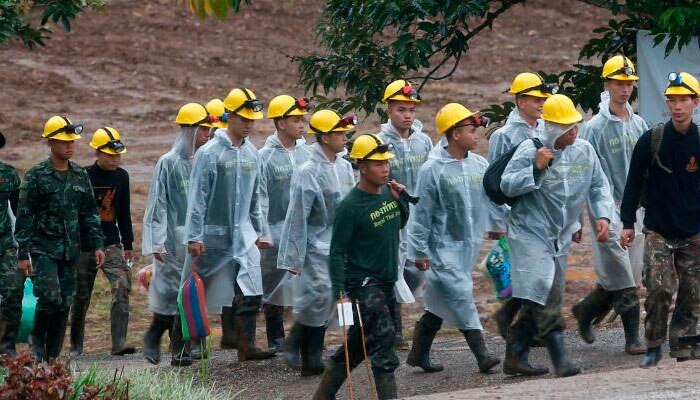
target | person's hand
[
  {"x": 577, "y": 236},
  {"x": 544, "y": 156},
  {"x": 626, "y": 238},
  {"x": 26, "y": 267},
  {"x": 99, "y": 258},
  {"x": 263, "y": 245},
  {"x": 195, "y": 249},
  {"x": 422, "y": 264},
  {"x": 396, "y": 188},
  {"x": 603, "y": 228},
  {"x": 494, "y": 235},
  {"x": 159, "y": 256}
]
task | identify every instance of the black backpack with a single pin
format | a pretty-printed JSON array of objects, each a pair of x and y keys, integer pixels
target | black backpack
[{"x": 494, "y": 173}]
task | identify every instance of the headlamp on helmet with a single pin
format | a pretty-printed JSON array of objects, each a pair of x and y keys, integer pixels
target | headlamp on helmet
[
  {"x": 675, "y": 79},
  {"x": 113, "y": 144},
  {"x": 626, "y": 69},
  {"x": 476, "y": 121},
  {"x": 299, "y": 104},
  {"x": 350, "y": 119},
  {"x": 76, "y": 129},
  {"x": 380, "y": 149},
  {"x": 250, "y": 103},
  {"x": 546, "y": 87},
  {"x": 406, "y": 90}
]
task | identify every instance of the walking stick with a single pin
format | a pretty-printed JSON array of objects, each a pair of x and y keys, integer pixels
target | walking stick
[
  {"x": 370, "y": 377},
  {"x": 351, "y": 396}
]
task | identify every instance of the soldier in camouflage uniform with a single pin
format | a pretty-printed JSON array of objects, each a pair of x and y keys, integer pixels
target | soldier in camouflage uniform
[
  {"x": 11, "y": 279},
  {"x": 55, "y": 202}
]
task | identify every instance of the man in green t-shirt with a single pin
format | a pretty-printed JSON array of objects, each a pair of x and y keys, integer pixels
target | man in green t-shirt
[{"x": 363, "y": 257}]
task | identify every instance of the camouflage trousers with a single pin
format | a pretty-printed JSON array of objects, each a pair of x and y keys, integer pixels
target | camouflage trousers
[
  {"x": 538, "y": 319},
  {"x": 11, "y": 286},
  {"x": 671, "y": 266},
  {"x": 378, "y": 326},
  {"x": 54, "y": 284}
]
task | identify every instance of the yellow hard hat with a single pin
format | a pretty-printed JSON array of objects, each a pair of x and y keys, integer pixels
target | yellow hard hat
[
  {"x": 287, "y": 106},
  {"x": 107, "y": 140},
  {"x": 619, "y": 68},
  {"x": 217, "y": 114},
  {"x": 192, "y": 114},
  {"x": 60, "y": 128},
  {"x": 243, "y": 102},
  {"x": 401, "y": 90},
  {"x": 531, "y": 84},
  {"x": 327, "y": 121},
  {"x": 682, "y": 83},
  {"x": 561, "y": 110},
  {"x": 451, "y": 114},
  {"x": 371, "y": 147}
]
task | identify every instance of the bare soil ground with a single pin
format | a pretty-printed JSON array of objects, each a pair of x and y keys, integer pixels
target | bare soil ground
[{"x": 132, "y": 65}]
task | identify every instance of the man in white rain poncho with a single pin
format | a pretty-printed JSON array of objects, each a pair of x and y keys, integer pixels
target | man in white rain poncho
[
  {"x": 523, "y": 123},
  {"x": 445, "y": 233},
  {"x": 224, "y": 222},
  {"x": 613, "y": 133},
  {"x": 552, "y": 184},
  {"x": 411, "y": 148},
  {"x": 164, "y": 226},
  {"x": 317, "y": 189},
  {"x": 283, "y": 153}
]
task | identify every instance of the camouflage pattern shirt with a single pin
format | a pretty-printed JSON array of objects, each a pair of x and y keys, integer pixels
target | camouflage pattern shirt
[
  {"x": 9, "y": 187},
  {"x": 53, "y": 206}
]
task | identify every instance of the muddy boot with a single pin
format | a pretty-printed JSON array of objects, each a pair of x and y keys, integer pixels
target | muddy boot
[
  {"x": 505, "y": 316},
  {"x": 555, "y": 346},
  {"x": 245, "y": 327},
  {"x": 119, "y": 325},
  {"x": 274, "y": 326},
  {"x": 401, "y": 343},
  {"x": 292, "y": 346},
  {"x": 55, "y": 334},
  {"x": 9, "y": 336},
  {"x": 630, "y": 321},
  {"x": 475, "y": 340},
  {"x": 423, "y": 337},
  {"x": 589, "y": 309},
  {"x": 228, "y": 329},
  {"x": 312, "y": 351},
  {"x": 517, "y": 352},
  {"x": 178, "y": 347},
  {"x": 385, "y": 382},
  {"x": 331, "y": 381},
  {"x": 151, "y": 339},
  {"x": 41, "y": 323},
  {"x": 652, "y": 357}
]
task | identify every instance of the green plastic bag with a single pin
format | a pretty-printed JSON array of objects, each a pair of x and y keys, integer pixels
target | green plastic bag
[{"x": 28, "y": 307}]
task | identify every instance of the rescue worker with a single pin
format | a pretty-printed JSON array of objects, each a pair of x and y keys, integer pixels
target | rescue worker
[
  {"x": 110, "y": 185},
  {"x": 411, "y": 149},
  {"x": 283, "y": 153},
  {"x": 664, "y": 172},
  {"x": 164, "y": 227},
  {"x": 224, "y": 222},
  {"x": 317, "y": 188},
  {"x": 551, "y": 184},
  {"x": 445, "y": 233},
  {"x": 217, "y": 116},
  {"x": 11, "y": 280},
  {"x": 613, "y": 132},
  {"x": 524, "y": 122},
  {"x": 56, "y": 203},
  {"x": 363, "y": 257}
]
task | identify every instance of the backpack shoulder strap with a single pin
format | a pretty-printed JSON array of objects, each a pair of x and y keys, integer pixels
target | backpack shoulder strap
[
  {"x": 537, "y": 142},
  {"x": 657, "y": 135}
]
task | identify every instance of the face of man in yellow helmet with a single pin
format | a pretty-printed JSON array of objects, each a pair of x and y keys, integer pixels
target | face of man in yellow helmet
[
  {"x": 375, "y": 172},
  {"x": 108, "y": 162},
  {"x": 402, "y": 114},
  {"x": 62, "y": 149},
  {"x": 292, "y": 127},
  {"x": 530, "y": 107},
  {"x": 620, "y": 91},
  {"x": 335, "y": 141},
  {"x": 464, "y": 136},
  {"x": 567, "y": 139},
  {"x": 239, "y": 128},
  {"x": 681, "y": 108},
  {"x": 201, "y": 136}
]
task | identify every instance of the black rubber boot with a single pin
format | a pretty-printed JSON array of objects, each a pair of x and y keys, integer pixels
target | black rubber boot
[
  {"x": 630, "y": 321},
  {"x": 77, "y": 333},
  {"x": 555, "y": 346},
  {"x": 517, "y": 352},
  {"x": 274, "y": 326},
  {"x": 41, "y": 323},
  {"x": 419, "y": 356},
  {"x": 652, "y": 357},
  {"x": 593, "y": 307},
  {"x": 401, "y": 343},
  {"x": 119, "y": 326},
  {"x": 331, "y": 381},
  {"x": 292, "y": 346},
  {"x": 505, "y": 316},
  {"x": 385, "y": 382},
  {"x": 179, "y": 349},
  {"x": 228, "y": 329},
  {"x": 56, "y": 333},
  {"x": 152, "y": 337},
  {"x": 9, "y": 337},
  {"x": 312, "y": 351},
  {"x": 245, "y": 327},
  {"x": 475, "y": 340}
]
